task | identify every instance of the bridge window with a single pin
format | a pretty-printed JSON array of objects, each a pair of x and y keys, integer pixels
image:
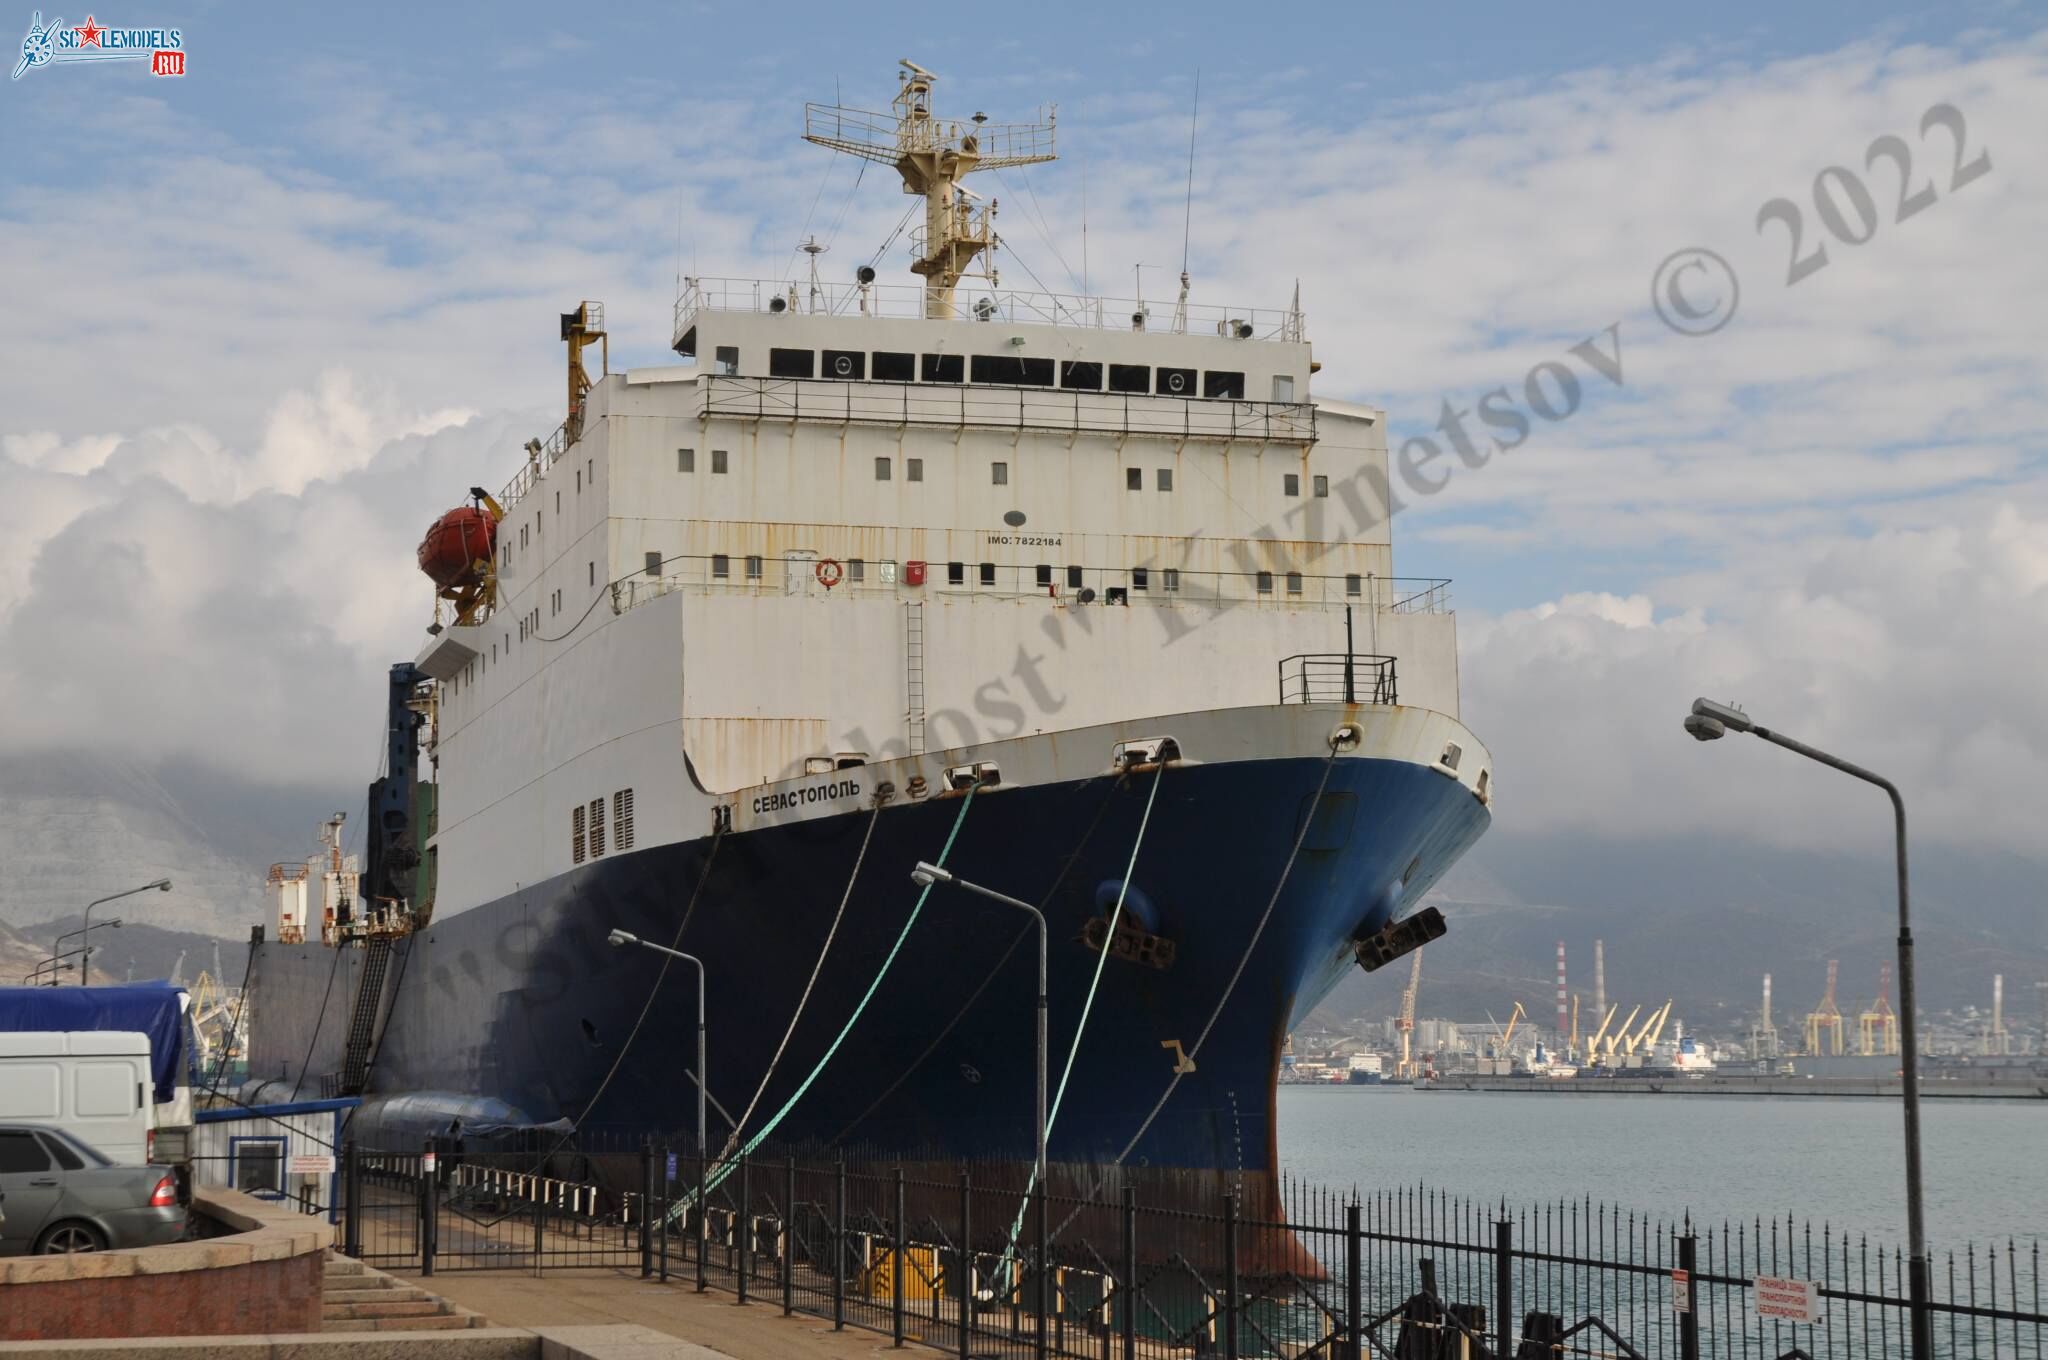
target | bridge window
[
  {"x": 846, "y": 365},
  {"x": 1291, "y": 484},
  {"x": 1354, "y": 584},
  {"x": 792, "y": 363},
  {"x": 1044, "y": 576},
  {"x": 1081, "y": 374},
  {"x": 1012, "y": 370},
  {"x": 944, "y": 368},
  {"x": 1176, "y": 382},
  {"x": 718, "y": 458},
  {"x": 1294, "y": 583},
  {"x": 882, "y": 466},
  {"x": 1140, "y": 578},
  {"x": 1169, "y": 578},
  {"x": 1073, "y": 578},
  {"x": 753, "y": 567},
  {"x": 956, "y": 573},
  {"x": 721, "y": 567},
  {"x": 1322, "y": 486},
  {"x": 1283, "y": 387},
  {"x": 686, "y": 460},
  {"x": 913, "y": 469},
  {"x": 1216, "y": 384},
  {"x": 892, "y": 367},
  {"x": 654, "y": 564},
  {"x": 1165, "y": 479},
  {"x": 999, "y": 474},
  {"x": 1265, "y": 583},
  {"x": 1130, "y": 378},
  {"x": 988, "y": 573},
  {"x": 726, "y": 361},
  {"x": 1134, "y": 479},
  {"x": 856, "y": 570}
]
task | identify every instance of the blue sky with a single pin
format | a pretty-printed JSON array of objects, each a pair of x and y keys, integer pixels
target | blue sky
[{"x": 284, "y": 302}]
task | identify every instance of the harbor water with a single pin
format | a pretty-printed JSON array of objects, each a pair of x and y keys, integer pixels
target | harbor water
[{"x": 1725, "y": 1157}]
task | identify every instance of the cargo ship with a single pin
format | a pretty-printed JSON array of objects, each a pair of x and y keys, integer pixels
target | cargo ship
[{"x": 1090, "y": 601}]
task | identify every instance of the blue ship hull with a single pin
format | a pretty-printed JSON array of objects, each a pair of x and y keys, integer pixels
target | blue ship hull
[{"x": 521, "y": 1000}]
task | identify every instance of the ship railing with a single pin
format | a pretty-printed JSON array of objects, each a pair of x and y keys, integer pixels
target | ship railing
[
  {"x": 1013, "y": 408},
  {"x": 1071, "y": 586},
  {"x": 1338, "y": 678},
  {"x": 909, "y": 301},
  {"x": 541, "y": 454}
]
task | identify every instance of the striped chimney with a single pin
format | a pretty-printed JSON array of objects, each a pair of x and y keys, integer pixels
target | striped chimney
[{"x": 1564, "y": 1008}]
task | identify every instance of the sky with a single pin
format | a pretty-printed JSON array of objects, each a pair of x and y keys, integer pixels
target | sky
[{"x": 271, "y": 317}]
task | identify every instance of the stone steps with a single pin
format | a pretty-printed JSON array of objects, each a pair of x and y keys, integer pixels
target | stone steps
[{"x": 354, "y": 1298}]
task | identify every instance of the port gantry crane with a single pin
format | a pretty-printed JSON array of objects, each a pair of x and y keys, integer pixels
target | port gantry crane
[
  {"x": 1405, "y": 1024},
  {"x": 1825, "y": 1018},
  {"x": 1877, "y": 1028}
]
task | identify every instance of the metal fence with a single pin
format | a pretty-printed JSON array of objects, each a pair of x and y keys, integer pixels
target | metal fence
[{"x": 1123, "y": 1262}]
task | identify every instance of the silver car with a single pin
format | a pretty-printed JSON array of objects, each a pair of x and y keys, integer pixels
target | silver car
[{"x": 58, "y": 1194}]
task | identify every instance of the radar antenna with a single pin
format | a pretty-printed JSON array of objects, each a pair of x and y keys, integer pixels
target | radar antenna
[{"x": 933, "y": 157}]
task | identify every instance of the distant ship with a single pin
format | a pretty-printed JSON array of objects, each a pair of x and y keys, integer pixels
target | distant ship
[{"x": 1092, "y": 600}]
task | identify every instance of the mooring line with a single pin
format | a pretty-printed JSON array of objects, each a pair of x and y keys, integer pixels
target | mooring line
[
  {"x": 716, "y": 1175},
  {"x": 733, "y": 1138}
]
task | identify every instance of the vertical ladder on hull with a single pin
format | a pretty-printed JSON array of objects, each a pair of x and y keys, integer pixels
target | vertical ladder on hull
[
  {"x": 362, "y": 1025},
  {"x": 913, "y": 664}
]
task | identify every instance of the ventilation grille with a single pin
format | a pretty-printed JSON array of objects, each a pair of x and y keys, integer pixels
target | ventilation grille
[
  {"x": 596, "y": 827},
  {"x": 576, "y": 834},
  {"x": 622, "y": 820}
]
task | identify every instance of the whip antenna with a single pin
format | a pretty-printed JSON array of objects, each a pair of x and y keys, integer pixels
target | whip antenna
[{"x": 1180, "y": 311}]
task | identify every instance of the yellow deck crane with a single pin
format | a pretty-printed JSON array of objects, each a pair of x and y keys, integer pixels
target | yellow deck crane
[
  {"x": 1405, "y": 1022},
  {"x": 1621, "y": 1031},
  {"x": 1592, "y": 1050},
  {"x": 1632, "y": 1043},
  {"x": 1824, "y": 1022}
]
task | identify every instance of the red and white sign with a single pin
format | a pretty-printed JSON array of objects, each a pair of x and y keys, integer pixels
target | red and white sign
[
  {"x": 313, "y": 1164},
  {"x": 167, "y": 63},
  {"x": 1681, "y": 1291},
  {"x": 427, "y": 1163},
  {"x": 1786, "y": 1300}
]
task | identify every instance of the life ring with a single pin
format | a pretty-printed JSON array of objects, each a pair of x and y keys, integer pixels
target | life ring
[{"x": 829, "y": 573}]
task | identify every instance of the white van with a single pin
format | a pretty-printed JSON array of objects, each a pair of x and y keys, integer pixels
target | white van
[{"x": 93, "y": 1084}]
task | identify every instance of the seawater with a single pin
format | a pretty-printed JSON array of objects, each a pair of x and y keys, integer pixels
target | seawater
[{"x": 1733, "y": 1158}]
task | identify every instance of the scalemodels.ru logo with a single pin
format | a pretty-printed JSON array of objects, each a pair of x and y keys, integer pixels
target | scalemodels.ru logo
[{"x": 58, "y": 43}]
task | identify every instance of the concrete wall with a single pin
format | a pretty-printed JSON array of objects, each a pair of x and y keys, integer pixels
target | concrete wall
[{"x": 264, "y": 1278}]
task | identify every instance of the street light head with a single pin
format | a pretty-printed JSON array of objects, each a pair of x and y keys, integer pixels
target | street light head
[
  {"x": 1704, "y": 729},
  {"x": 924, "y": 875},
  {"x": 620, "y": 938},
  {"x": 1728, "y": 715},
  {"x": 115, "y": 923}
]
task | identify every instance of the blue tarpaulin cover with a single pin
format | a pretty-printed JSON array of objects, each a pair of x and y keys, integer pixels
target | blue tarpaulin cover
[{"x": 151, "y": 1008}]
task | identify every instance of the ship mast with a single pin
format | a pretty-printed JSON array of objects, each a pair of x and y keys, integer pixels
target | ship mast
[{"x": 933, "y": 157}]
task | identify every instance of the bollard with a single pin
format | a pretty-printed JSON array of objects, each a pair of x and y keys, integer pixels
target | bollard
[
  {"x": 1354, "y": 1284},
  {"x": 899, "y": 1269},
  {"x": 646, "y": 1207},
  {"x": 789, "y": 1240},
  {"x": 839, "y": 1248},
  {"x": 1130, "y": 1281}
]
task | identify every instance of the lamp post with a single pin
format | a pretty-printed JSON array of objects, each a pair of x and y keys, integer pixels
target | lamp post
[
  {"x": 620, "y": 939},
  {"x": 83, "y": 936},
  {"x": 927, "y": 874},
  {"x": 48, "y": 968},
  {"x": 161, "y": 885},
  {"x": 1709, "y": 721}
]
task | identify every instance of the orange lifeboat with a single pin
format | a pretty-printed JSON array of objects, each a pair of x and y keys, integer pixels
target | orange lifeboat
[{"x": 457, "y": 549}]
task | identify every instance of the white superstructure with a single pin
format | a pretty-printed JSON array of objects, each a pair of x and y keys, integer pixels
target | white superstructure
[{"x": 857, "y": 523}]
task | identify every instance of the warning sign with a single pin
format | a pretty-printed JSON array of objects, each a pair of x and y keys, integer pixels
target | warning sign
[
  {"x": 1681, "y": 1291},
  {"x": 427, "y": 1163},
  {"x": 1786, "y": 1300},
  {"x": 312, "y": 1165}
]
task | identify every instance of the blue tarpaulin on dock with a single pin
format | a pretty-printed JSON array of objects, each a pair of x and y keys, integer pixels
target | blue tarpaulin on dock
[{"x": 152, "y": 1008}]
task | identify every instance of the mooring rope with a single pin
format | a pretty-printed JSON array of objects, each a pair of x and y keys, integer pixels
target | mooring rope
[
  {"x": 733, "y": 1138},
  {"x": 1087, "y": 1005},
  {"x": 716, "y": 1176}
]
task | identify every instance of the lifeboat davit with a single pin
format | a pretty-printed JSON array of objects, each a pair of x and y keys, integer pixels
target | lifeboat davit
[{"x": 457, "y": 549}]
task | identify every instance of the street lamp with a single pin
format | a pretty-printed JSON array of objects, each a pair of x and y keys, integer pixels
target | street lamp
[
  {"x": 620, "y": 939},
  {"x": 925, "y": 875},
  {"x": 47, "y": 968},
  {"x": 1709, "y": 721},
  {"x": 82, "y": 936},
  {"x": 161, "y": 885}
]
